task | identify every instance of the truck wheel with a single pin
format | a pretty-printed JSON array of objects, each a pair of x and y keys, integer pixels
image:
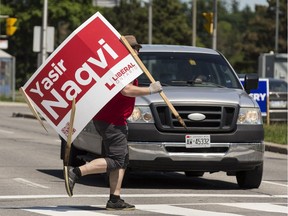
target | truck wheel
[{"x": 250, "y": 178}]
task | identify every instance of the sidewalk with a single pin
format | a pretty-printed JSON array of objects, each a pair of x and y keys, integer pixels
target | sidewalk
[{"x": 272, "y": 147}]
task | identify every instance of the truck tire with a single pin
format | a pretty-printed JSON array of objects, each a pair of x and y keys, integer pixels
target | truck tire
[{"x": 250, "y": 178}]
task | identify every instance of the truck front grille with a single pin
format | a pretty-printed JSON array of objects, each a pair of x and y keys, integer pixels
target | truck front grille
[{"x": 218, "y": 118}]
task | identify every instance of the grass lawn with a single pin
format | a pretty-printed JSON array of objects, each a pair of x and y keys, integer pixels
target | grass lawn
[{"x": 276, "y": 133}]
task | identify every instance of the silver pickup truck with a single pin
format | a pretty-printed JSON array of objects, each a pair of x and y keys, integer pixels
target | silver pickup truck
[{"x": 224, "y": 125}]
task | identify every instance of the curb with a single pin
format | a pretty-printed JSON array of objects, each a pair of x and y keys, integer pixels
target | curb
[
  {"x": 15, "y": 104},
  {"x": 277, "y": 148}
]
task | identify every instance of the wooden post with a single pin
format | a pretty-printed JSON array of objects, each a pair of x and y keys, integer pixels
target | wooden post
[
  {"x": 68, "y": 150},
  {"x": 268, "y": 110},
  {"x": 70, "y": 133},
  {"x": 33, "y": 110},
  {"x": 150, "y": 77}
]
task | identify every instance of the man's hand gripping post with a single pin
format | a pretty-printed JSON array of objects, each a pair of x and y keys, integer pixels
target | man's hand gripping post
[{"x": 152, "y": 80}]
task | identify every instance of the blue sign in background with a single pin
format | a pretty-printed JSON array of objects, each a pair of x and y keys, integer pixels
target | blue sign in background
[{"x": 260, "y": 94}]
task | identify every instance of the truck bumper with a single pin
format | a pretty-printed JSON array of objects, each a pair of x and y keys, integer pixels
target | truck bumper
[{"x": 176, "y": 157}]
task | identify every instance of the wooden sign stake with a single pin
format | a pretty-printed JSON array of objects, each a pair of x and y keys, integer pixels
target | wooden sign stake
[
  {"x": 70, "y": 133},
  {"x": 32, "y": 108},
  {"x": 150, "y": 77}
]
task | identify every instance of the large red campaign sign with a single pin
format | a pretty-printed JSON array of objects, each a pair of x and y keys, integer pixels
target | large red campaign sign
[{"x": 91, "y": 65}]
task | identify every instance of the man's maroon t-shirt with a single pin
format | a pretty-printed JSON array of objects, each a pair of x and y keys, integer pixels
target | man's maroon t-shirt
[{"x": 117, "y": 110}]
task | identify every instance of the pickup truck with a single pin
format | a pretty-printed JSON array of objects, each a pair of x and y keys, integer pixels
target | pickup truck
[{"x": 224, "y": 129}]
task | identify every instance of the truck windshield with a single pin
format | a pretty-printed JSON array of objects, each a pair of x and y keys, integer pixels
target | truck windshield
[{"x": 188, "y": 69}]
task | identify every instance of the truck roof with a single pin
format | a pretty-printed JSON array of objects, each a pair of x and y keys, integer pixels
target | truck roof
[{"x": 176, "y": 48}]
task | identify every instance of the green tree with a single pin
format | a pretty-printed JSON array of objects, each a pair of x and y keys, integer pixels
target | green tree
[
  {"x": 130, "y": 17},
  {"x": 231, "y": 25},
  {"x": 169, "y": 21},
  {"x": 259, "y": 36},
  {"x": 64, "y": 15},
  {"x": 20, "y": 44},
  {"x": 242, "y": 34}
]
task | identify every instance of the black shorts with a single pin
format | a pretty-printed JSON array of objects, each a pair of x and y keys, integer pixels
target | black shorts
[{"x": 115, "y": 144}]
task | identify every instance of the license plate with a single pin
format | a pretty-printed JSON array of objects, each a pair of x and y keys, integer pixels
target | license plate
[{"x": 197, "y": 141}]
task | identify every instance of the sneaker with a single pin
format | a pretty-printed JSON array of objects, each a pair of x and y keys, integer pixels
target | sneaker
[
  {"x": 119, "y": 205},
  {"x": 72, "y": 178}
]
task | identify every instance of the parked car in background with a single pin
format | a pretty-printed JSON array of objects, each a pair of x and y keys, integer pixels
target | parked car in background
[
  {"x": 278, "y": 100},
  {"x": 224, "y": 124}
]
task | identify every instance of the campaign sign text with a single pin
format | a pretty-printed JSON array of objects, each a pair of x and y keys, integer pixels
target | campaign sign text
[
  {"x": 91, "y": 65},
  {"x": 260, "y": 94}
]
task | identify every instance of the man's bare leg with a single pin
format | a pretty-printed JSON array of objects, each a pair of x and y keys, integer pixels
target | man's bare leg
[
  {"x": 115, "y": 180},
  {"x": 115, "y": 202},
  {"x": 94, "y": 167}
]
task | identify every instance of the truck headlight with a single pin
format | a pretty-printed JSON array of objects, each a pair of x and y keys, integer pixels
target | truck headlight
[
  {"x": 141, "y": 114},
  {"x": 249, "y": 116}
]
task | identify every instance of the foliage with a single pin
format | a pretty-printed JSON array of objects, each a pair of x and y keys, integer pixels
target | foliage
[
  {"x": 241, "y": 35},
  {"x": 134, "y": 22},
  {"x": 259, "y": 36},
  {"x": 169, "y": 23},
  {"x": 276, "y": 133}
]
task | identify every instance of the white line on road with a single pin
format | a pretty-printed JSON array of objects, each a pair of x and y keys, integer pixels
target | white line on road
[
  {"x": 62, "y": 211},
  {"x": 173, "y": 210},
  {"x": 7, "y": 132},
  {"x": 267, "y": 207},
  {"x": 142, "y": 196},
  {"x": 268, "y": 182},
  {"x": 29, "y": 183},
  {"x": 186, "y": 210}
]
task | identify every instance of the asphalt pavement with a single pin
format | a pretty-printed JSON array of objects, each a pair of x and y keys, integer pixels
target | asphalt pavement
[{"x": 272, "y": 147}]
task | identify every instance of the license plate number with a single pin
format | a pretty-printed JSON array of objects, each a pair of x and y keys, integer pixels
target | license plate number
[{"x": 197, "y": 141}]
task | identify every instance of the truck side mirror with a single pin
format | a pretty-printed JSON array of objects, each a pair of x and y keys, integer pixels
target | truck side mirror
[{"x": 251, "y": 82}]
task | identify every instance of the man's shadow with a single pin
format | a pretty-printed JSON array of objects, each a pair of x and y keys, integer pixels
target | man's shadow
[
  {"x": 152, "y": 180},
  {"x": 60, "y": 208},
  {"x": 99, "y": 180}
]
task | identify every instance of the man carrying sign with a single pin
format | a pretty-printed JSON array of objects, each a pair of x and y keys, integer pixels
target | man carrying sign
[{"x": 111, "y": 124}]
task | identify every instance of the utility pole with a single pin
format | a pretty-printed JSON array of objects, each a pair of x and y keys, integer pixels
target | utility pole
[
  {"x": 150, "y": 21},
  {"x": 194, "y": 17},
  {"x": 214, "y": 34},
  {"x": 277, "y": 26},
  {"x": 44, "y": 33}
]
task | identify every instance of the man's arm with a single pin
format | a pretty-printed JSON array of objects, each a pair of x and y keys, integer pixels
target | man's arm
[{"x": 131, "y": 90}]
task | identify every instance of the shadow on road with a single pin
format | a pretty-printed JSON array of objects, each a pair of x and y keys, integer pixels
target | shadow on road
[{"x": 153, "y": 180}]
